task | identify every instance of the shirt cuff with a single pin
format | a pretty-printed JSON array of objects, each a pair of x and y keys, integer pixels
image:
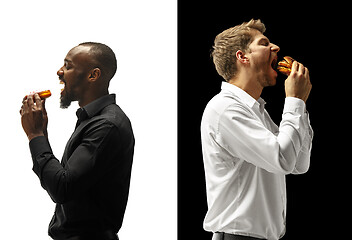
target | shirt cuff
[
  {"x": 293, "y": 104},
  {"x": 38, "y": 146}
]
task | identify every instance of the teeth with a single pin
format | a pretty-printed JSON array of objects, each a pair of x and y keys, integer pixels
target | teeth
[{"x": 62, "y": 82}]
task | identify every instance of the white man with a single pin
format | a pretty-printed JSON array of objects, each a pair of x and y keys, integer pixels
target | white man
[{"x": 246, "y": 155}]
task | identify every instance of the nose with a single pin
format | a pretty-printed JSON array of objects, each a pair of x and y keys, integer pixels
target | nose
[
  {"x": 60, "y": 72},
  {"x": 275, "y": 48}
]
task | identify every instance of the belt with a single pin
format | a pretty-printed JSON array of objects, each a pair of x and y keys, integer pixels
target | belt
[
  {"x": 227, "y": 236},
  {"x": 107, "y": 235}
]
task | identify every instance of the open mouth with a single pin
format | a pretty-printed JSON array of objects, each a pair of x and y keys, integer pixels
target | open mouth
[
  {"x": 274, "y": 63},
  {"x": 63, "y": 83}
]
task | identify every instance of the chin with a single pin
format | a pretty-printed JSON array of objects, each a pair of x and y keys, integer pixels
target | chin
[
  {"x": 65, "y": 99},
  {"x": 272, "y": 82}
]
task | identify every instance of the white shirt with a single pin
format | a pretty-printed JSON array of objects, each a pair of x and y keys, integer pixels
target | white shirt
[{"x": 246, "y": 157}]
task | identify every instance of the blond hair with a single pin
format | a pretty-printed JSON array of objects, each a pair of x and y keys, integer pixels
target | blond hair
[{"x": 227, "y": 43}]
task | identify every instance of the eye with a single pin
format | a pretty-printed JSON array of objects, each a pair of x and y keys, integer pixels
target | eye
[
  {"x": 265, "y": 43},
  {"x": 67, "y": 65}
]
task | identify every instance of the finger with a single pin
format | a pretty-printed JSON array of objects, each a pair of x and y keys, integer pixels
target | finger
[
  {"x": 30, "y": 103},
  {"x": 24, "y": 102},
  {"x": 25, "y": 109},
  {"x": 38, "y": 101},
  {"x": 30, "y": 100},
  {"x": 301, "y": 68},
  {"x": 294, "y": 67},
  {"x": 306, "y": 74},
  {"x": 43, "y": 106}
]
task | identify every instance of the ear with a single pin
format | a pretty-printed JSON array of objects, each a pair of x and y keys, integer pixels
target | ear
[
  {"x": 241, "y": 56},
  {"x": 94, "y": 75}
]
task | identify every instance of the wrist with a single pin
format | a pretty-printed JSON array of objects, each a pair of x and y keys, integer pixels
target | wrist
[
  {"x": 34, "y": 135},
  {"x": 294, "y": 104},
  {"x": 295, "y": 96}
]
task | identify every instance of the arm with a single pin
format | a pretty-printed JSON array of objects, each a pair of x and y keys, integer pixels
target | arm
[
  {"x": 298, "y": 85},
  {"x": 82, "y": 170},
  {"x": 84, "y": 167},
  {"x": 245, "y": 137},
  {"x": 288, "y": 152},
  {"x": 303, "y": 160}
]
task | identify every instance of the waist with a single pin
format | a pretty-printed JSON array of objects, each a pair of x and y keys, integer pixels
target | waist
[
  {"x": 74, "y": 222},
  {"x": 106, "y": 235},
  {"x": 227, "y": 236}
]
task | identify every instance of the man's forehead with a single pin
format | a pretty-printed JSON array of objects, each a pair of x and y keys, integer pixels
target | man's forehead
[
  {"x": 257, "y": 36},
  {"x": 77, "y": 51}
]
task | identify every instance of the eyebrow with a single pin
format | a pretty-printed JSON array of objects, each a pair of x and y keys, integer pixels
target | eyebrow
[
  {"x": 67, "y": 61},
  {"x": 263, "y": 39}
]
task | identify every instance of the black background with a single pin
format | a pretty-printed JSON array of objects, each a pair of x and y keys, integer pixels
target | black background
[{"x": 318, "y": 37}]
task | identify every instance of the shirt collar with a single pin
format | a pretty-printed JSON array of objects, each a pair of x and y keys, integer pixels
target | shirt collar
[
  {"x": 93, "y": 108},
  {"x": 244, "y": 96},
  {"x": 261, "y": 103}
]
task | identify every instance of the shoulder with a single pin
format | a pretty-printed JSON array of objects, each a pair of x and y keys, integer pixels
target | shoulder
[
  {"x": 110, "y": 119},
  {"x": 111, "y": 123},
  {"x": 223, "y": 104},
  {"x": 113, "y": 114},
  {"x": 224, "y": 111}
]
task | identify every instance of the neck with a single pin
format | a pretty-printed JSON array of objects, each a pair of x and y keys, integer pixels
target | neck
[
  {"x": 90, "y": 97},
  {"x": 248, "y": 83}
]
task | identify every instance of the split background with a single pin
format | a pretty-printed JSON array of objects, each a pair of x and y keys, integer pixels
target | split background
[{"x": 164, "y": 79}]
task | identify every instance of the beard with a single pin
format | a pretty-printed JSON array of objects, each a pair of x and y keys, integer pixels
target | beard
[
  {"x": 66, "y": 99},
  {"x": 70, "y": 92}
]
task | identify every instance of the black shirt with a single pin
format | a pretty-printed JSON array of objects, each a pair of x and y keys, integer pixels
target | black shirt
[{"x": 90, "y": 186}]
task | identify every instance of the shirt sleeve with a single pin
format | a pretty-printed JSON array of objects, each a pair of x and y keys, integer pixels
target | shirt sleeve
[
  {"x": 83, "y": 168},
  {"x": 243, "y": 135},
  {"x": 303, "y": 159}
]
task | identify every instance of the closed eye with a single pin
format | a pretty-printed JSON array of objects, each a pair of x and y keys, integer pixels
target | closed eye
[
  {"x": 264, "y": 42},
  {"x": 67, "y": 64}
]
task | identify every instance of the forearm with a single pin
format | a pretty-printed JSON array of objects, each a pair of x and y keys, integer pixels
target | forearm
[
  {"x": 45, "y": 165},
  {"x": 303, "y": 159},
  {"x": 66, "y": 181},
  {"x": 242, "y": 135},
  {"x": 296, "y": 126},
  {"x": 292, "y": 127}
]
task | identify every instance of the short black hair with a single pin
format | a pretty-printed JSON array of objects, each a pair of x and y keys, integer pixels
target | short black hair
[{"x": 105, "y": 58}]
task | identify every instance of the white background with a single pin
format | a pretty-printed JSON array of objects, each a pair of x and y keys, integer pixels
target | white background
[{"x": 35, "y": 38}]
